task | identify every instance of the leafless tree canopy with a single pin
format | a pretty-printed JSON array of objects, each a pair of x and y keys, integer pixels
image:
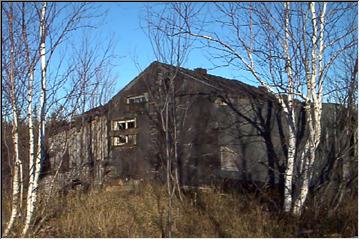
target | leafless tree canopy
[
  {"x": 291, "y": 49},
  {"x": 36, "y": 82}
]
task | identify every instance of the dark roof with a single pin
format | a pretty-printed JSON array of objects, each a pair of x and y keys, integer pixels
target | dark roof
[
  {"x": 97, "y": 111},
  {"x": 229, "y": 86},
  {"x": 59, "y": 126}
]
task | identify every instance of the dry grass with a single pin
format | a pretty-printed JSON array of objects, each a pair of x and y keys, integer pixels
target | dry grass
[
  {"x": 142, "y": 212},
  {"x": 322, "y": 221}
]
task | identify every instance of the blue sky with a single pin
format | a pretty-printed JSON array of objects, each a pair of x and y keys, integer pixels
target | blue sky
[
  {"x": 122, "y": 25},
  {"x": 122, "y": 22}
]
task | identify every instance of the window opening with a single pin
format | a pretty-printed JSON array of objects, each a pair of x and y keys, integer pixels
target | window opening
[
  {"x": 220, "y": 102},
  {"x": 229, "y": 159},
  {"x": 120, "y": 140},
  {"x": 137, "y": 99},
  {"x": 131, "y": 124},
  {"x": 120, "y": 125},
  {"x": 124, "y": 139},
  {"x": 124, "y": 124}
]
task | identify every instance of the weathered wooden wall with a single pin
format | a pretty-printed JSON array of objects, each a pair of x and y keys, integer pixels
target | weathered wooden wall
[
  {"x": 226, "y": 130},
  {"x": 79, "y": 153}
]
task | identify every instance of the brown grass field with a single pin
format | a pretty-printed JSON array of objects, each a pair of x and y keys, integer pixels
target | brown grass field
[{"x": 142, "y": 212}]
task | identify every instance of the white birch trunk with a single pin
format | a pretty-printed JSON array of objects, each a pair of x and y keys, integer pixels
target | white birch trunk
[
  {"x": 300, "y": 200},
  {"x": 31, "y": 156},
  {"x": 290, "y": 118},
  {"x": 307, "y": 164},
  {"x": 31, "y": 127},
  {"x": 15, "y": 191},
  {"x": 313, "y": 107},
  {"x": 15, "y": 133},
  {"x": 41, "y": 138},
  {"x": 304, "y": 180},
  {"x": 16, "y": 187},
  {"x": 289, "y": 170},
  {"x": 21, "y": 189}
]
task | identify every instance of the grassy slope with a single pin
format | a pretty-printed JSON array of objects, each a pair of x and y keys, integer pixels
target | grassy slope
[{"x": 142, "y": 212}]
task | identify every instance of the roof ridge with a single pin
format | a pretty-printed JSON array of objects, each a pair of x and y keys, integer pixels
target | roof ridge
[{"x": 193, "y": 72}]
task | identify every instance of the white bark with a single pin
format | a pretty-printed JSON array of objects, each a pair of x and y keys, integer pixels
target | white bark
[
  {"x": 15, "y": 193},
  {"x": 15, "y": 133},
  {"x": 31, "y": 160},
  {"x": 313, "y": 106},
  {"x": 41, "y": 138},
  {"x": 304, "y": 180},
  {"x": 31, "y": 137},
  {"x": 16, "y": 188},
  {"x": 290, "y": 117},
  {"x": 289, "y": 170},
  {"x": 21, "y": 189}
]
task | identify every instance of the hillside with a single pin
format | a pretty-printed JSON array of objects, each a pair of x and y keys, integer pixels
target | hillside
[{"x": 140, "y": 210}]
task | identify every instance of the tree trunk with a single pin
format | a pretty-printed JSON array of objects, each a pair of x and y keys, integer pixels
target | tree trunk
[
  {"x": 313, "y": 105},
  {"x": 290, "y": 115},
  {"x": 168, "y": 169},
  {"x": 15, "y": 130},
  {"x": 304, "y": 179},
  {"x": 31, "y": 158},
  {"x": 175, "y": 144},
  {"x": 289, "y": 169},
  {"x": 31, "y": 125},
  {"x": 21, "y": 191},
  {"x": 41, "y": 138}
]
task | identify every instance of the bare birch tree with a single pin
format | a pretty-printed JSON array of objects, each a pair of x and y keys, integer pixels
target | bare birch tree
[
  {"x": 40, "y": 155},
  {"x": 30, "y": 63},
  {"x": 15, "y": 131},
  {"x": 287, "y": 48},
  {"x": 56, "y": 35},
  {"x": 25, "y": 55}
]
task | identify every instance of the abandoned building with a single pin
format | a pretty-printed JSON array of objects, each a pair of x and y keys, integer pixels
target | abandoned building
[{"x": 225, "y": 129}]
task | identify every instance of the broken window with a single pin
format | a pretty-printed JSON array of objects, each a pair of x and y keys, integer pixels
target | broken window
[
  {"x": 124, "y": 139},
  {"x": 120, "y": 140},
  {"x": 229, "y": 159},
  {"x": 137, "y": 99},
  {"x": 130, "y": 124},
  {"x": 120, "y": 125},
  {"x": 220, "y": 102},
  {"x": 124, "y": 124}
]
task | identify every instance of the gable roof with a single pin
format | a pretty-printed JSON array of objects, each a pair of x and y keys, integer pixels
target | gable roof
[
  {"x": 220, "y": 84},
  {"x": 229, "y": 86},
  {"x": 132, "y": 82}
]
